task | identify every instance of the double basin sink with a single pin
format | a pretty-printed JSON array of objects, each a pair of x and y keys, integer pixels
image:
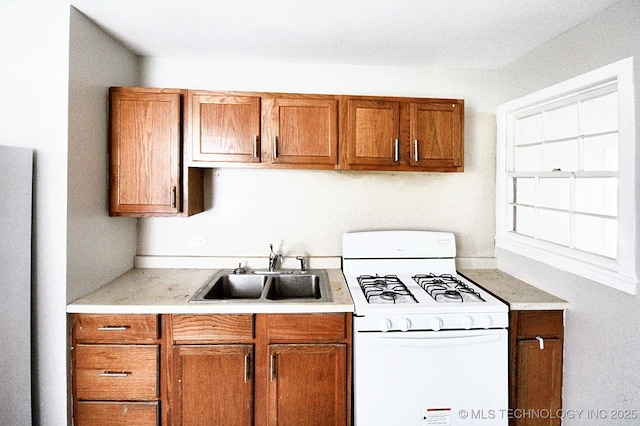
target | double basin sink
[{"x": 265, "y": 286}]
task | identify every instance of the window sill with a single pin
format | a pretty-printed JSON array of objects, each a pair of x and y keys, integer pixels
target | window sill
[{"x": 600, "y": 273}]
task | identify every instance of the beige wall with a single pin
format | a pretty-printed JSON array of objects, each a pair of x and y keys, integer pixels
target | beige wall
[{"x": 306, "y": 212}]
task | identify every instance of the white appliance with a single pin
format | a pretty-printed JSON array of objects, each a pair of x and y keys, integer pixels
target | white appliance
[
  {"x": 430, "y": 346},
  {"x": 16, "y": 171}
]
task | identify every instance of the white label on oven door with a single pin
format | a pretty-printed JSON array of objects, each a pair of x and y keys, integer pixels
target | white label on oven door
[{"x": 436, "y": 416}]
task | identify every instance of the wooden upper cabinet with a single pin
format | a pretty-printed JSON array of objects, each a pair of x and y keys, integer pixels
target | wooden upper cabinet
[
  {"x": 402, "y": 134},
  {"x": 223, "y": 127},
  {"x": 372, "y": 132},
  {"x": 145, "y": 151},
  {"x": 300, "y": 130},
  {"x": 436, "y": 134}
]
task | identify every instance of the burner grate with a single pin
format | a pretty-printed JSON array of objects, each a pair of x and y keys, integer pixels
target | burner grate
[
  {"x": 447, "y": 288},
  {"x": 386, "y": 289}
]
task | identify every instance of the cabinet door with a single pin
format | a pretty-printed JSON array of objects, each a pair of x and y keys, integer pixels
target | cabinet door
[
  {"x": 215, "y": 385},
  {"x": 224, "y": 127},
  {"x": 539, "y": 382},
  {"x": 301, "y": 130},
  {"x": 373, "y": 132},
  {"x": 436, "y": 134},
  {"x": 307, "y": 384},
  {"x": 145, "y": 151}
]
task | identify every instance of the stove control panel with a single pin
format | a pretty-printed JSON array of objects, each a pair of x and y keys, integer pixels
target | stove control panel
[{"x": 429, "y": 322}]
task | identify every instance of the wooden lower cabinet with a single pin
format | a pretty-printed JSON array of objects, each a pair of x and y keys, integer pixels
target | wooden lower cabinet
[
  {"x": 307, "y": 384},
  {"x": 214, "y": 385},
  {"x": 536, "y": 354},
  {"x": 115, "y": 371},
  {"x": 100, "y": 413},
  {"x": 263, "y": 369}
]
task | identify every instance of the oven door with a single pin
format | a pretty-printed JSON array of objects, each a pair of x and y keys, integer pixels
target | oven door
[{"x": 456, "y": 377}]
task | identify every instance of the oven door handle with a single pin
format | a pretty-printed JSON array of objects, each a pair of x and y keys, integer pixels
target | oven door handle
[{"x": 430, "y": 339}]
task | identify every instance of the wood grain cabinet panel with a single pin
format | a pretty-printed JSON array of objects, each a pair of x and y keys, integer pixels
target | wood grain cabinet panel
[
  {"x": 536, "y": 363},
  {"x": 301, "y": 130},
  {"x": 402, "y": 134},
  {"x": 372, "y": 132},
  {"x": 145, "y": 144},
  {"x": 104, "y": 328},
  {"x": 101, "y": 413},
  {"x": 308, "y": 385},
  {"x": 436, "y": 134},
  {"x": 116, "y": 372},
  {"x": 116, "y": 369},
  {"x": 215, "y": 385},
  {"x": 224, "y": 127}
]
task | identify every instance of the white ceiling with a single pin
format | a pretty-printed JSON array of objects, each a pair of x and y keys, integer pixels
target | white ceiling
[{"x": 483, "y": 34}]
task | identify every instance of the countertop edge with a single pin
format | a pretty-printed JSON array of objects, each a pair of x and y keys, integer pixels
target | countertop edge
[
  {"x": 518, "y": 294},
  {"x": 167, "y": 291}
]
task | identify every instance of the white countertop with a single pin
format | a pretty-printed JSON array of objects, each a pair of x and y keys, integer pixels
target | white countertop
[
  {"x": 167, "y": 291},
  {"x": 518, "y": 294}
]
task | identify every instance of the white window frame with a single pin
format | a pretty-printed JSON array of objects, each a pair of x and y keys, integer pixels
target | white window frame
[{"x": 620, "y": 273}]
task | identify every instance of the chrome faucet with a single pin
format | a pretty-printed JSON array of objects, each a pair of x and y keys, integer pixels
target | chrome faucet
[{"x": 273, "y": 259}]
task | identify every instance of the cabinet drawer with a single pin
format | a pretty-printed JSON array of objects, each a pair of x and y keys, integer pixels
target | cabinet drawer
[
  {"x": 306, "y": 327},
  {"x": 212, "y": 328},
  {"x": 98, "y": 413},
  {"x": 546, "y": 324},
  {"x": 103, "y": 328},
  {"x": 116, "y": 372}
]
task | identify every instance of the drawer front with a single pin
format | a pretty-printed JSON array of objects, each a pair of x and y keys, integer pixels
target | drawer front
[
  {"x": 103, "y": 328},
  {"x": 212, "y": 328},
  {"x": 306, "y": 327},
  {"x": 548, "y": 324},
  {"x": 116, "y": 372},
  {"x": 97, "y": 413}
]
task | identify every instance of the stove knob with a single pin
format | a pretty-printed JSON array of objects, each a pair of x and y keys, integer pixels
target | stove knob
[
  {"x": 405, "y": 324},
  {"x": 384, "y": 324},
  {"x": 466, "y": 322},
  {"x": 435, "y": 323},
  {"x": 485, "y": 322}
]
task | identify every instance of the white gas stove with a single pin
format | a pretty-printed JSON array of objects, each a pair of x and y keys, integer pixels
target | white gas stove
[{"x": 447, "y": 333}]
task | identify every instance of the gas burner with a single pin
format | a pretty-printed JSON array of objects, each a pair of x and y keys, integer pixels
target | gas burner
[
  {"x": 447, "y": 289},
  {"x": 386, "y": 289}
]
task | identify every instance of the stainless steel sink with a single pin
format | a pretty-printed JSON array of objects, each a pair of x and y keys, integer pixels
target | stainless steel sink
[
  {"x": 259, "y": 287},
  {"x": 302, "y": 286},
  {"x": 231, "y": 286}
]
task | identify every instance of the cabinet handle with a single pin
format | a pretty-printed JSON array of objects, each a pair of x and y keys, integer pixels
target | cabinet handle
[
  {"x": 247, "y": 361},
  {"x": 275, "y": 147},
  {"x": 415, "y": 150},
  {"x": 256, "y": 142},
  {"x": 113, "y": 328},
  {"x": 272, "y": 364},
  {"x": 541, "y": 340},
  {"x": 173, "y": 197},
  {"x": 114, "y": 374},
  {"x": 396, "y": 150}
]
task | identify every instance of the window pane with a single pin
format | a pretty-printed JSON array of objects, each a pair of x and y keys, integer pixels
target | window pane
[
  {"x": 524, "y": 220},
  {"x": 562, "y": 156},
  {"x": 561, "y": 123},
  {"x": 528, "y": 158},
  {"x": 597, "y": 195},
  {"x": 601, "y": 153},
  {"x": 525, "y": 191},
  {"x": 596, "y": 235},
  {"x": 553, "y": 226},
  {"x": 528, "y": 129},
  {"x": 555, "y": 193},
  {"x": 600, "y": 114}
]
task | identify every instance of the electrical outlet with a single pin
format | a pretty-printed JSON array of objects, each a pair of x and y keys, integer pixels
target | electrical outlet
[{"x": 196, "y": 241}]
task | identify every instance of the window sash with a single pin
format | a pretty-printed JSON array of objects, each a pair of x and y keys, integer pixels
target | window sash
[{"x": 604, "y": 153}]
